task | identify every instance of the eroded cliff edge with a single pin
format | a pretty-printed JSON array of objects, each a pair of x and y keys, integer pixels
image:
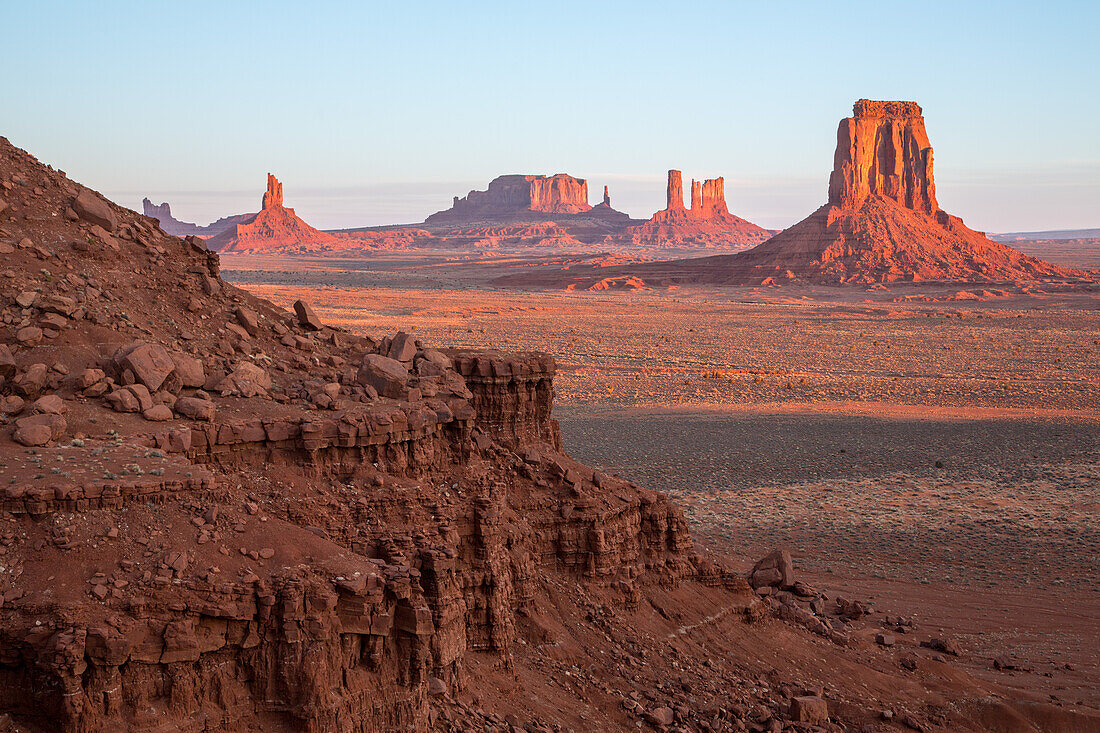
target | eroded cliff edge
[{"x": 219, "y": 515}]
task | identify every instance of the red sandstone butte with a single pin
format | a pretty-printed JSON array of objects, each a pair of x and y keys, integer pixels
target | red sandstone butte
[
  {"x": 708, "y": 223},
  {"x": 882, "y": 222},
  {"x": 274, "y": 228}
]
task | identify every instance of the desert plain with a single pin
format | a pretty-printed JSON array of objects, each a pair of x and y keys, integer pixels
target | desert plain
[{"x": 933, "y": 449}]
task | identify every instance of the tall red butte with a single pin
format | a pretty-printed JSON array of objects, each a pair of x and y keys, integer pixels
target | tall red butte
[
  {"x": 275, "y": 227},
  {"x": 882, "y": 222}
]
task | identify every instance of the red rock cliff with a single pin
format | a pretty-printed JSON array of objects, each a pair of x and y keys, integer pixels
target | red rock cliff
[
  {"x": 883, "y": 150},
  {"x": 273, "y": 197}
]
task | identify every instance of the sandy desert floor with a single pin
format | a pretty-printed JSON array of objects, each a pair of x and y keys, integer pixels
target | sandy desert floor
[{"x": 935, "y": 452}]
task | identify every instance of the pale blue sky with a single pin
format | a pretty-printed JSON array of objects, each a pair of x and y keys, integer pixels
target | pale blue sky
[{"x": 379, "y": 112}]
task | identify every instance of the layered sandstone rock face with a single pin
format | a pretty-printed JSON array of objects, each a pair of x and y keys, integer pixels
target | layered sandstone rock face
[
  {"x": 517, "y": 196},
  {"x": 259, "y": 521},
  {"x": 882, "y": 222},
  {"x": 275, "y": 228},
  {"x": 883, "y": 150},
  {"x": 707, "y": 223}
]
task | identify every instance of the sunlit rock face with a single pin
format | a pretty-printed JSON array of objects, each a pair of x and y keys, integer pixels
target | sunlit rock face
[
  {"x": 883, "y": 150},
  {"x": 275, "y": 228}
]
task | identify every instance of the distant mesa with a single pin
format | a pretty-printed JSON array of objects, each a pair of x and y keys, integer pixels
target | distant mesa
[
  {"x": 708, "y": 223},
  {"x": 170, "y": 225},
  {"x": 882, "y": 223},
  {"x": 274, "y": 229},
  {"x": 525, "y": 198}
]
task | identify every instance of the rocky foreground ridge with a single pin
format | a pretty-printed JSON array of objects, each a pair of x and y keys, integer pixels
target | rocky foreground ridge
[{"x": 218, "y": 515}]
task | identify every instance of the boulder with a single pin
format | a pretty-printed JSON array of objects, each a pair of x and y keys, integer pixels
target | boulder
[
  {"x": 142, "y": 395},
  {"x": 661, "y": 717},
  {"x": 402, "y": 347},
  {"x": 809, "y": 709},
  {"x": 158, "y": 413},
  {"x": 307, "y": 319},
  {"x": 388, "y": 376},
  {"x": 195, "y": 408},
  {"x": 149, "y": 363},
  {"x": 29, "y": 335},
  {"x": 31, "y": 382},
  {"x": 39, "y": 429},
  {"x": 774, "y": 570},
  {"x": 50, "y": 404},
  {"x": 189, "y": 369},
  {"x": 123, "y": 400},
  {"x": 92, "y": 208},
  {"x": 7, "y": 361},
  {"x": 11, "y": 404},
  {"x": 246, "y": 380},
  {"x": 248, "y": 319},
  {"x": 88, "y": 377}
]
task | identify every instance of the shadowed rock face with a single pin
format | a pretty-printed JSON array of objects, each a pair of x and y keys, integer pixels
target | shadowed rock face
[
  {"x": 171, "y": 225},
  {"x": 452, "y": 481},
  {"x": 883, "y": 150}
]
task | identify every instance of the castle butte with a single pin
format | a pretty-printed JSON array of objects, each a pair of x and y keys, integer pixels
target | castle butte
[
  {"x": 163, "y": 214},
  {"x": 708, "y": 223},
  {"x": 882, "y": 223},
  {"x": 274, "y": 228}
]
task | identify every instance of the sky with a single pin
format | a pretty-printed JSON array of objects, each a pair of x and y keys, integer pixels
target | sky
[{"x": 377, "y": 113}]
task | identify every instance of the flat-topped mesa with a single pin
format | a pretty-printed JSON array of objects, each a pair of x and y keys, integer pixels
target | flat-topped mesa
[
  {"x": 883, "y": 150},
  {"x": 273, "y": 197},
  {"x": 511, "y": 196}
]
